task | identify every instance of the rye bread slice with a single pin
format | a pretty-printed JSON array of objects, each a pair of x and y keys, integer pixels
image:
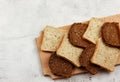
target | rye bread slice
[
  {"x": 75, "y": 35},
  {"x": 110, "y": 34},
  {"x": 85, "y": 58},
  {"x": 60, "y": 66}
]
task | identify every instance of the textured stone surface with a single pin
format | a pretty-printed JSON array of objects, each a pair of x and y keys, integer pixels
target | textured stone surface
[{"x": 22, "y": 20}]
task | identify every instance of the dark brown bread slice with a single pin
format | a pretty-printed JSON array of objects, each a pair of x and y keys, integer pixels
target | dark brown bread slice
[
  {"x": 110, "y": 34},
  {"x": 85, "y": 58},
  {"x": 75, "y": 35},
  {"x": 60, "y": 66}
]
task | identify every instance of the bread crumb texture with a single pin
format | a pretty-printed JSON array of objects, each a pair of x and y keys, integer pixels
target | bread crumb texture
[
  {"x": 92, "y": 33},
  {"x": 69, "y": 52},
  {"x": 52, "y": 38},
  {"x": 105, "y": 56}
]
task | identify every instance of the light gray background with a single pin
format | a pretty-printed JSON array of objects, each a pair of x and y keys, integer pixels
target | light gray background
[{"x": 22, "y": 20}]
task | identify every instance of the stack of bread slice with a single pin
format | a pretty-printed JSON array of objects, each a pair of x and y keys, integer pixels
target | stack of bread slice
[{"x": 81, "y": 47}]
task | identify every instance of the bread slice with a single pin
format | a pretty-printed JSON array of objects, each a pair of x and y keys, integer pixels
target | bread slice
[
  {"x": 75, "y": 34},
  {"x": 69, "y": 52},
  {"x": 110, "y": 34},
  {"x": 92, "y": 33},
  {"x": 60, "y": 66},
  {"x": 85, "y": 58},
  {"x": 105, "y": 56},
  {"x": 52, "y": 38}
]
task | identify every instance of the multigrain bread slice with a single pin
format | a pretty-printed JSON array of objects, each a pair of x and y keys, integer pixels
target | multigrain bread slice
[
  {"x": 75, "y": 35},
  {"x": 92, "y": 33},
  {"x": 110, "y": 34},
  {"x": 105, "y": 56},
  {"x": 52, "y": 38},
  {"x": 69, "y": 52},
  {"x": 60, "y": 66}
]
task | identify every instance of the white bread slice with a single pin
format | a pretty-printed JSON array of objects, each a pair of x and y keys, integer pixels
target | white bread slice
[
  {"x": 105, "y": 56},
  {"x": 92, "y": 33},
  {"x": 69, "y": 52},
  {"x": 52, "y": 38}
]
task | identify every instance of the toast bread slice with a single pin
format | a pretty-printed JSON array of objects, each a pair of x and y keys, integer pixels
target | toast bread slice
[
  {"x": 52, "y": 38},
  {"x": 92, "y": 33},
  {"x": 69, "y": 52},
  {"x": 105, "y": 56}
]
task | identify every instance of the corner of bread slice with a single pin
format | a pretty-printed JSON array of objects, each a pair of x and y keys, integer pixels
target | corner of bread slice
[
  {"x": 51, "y": 38},
  {"x": 92, "y": 33},
  {"x": 105, "y": 56},
  {"x": 69, "y": 52}
]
